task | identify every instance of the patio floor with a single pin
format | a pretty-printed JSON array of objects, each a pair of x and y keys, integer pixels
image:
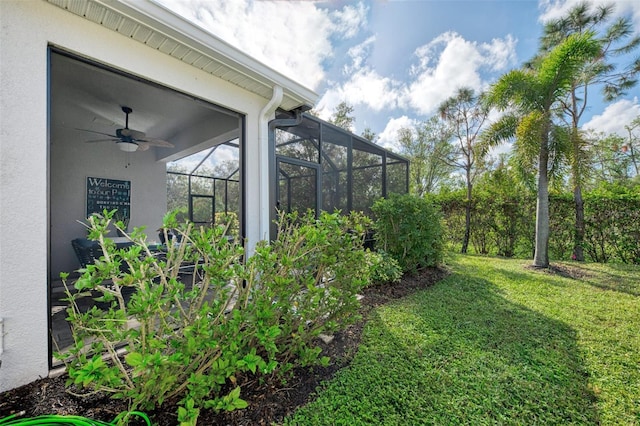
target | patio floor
[{"x": 60, "y": 329}]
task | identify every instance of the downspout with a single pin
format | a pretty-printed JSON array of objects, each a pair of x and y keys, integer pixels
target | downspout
[
  {"x": 264, "y": 160},
  {"x": 1, "y": 338}
]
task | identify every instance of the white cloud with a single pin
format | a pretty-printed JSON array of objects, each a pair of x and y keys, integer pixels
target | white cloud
[
  {"x": 293, "y": 38},
  {"x": 450, "y": 62},
  {"x": 615, "y": 117},
  {"x": 389, "y": 136},
  {"x": 350, "y": 20},
  {"x": 554, "y": 9},
  {"x": 444, "y": 65},
  {"x": 500, "y": 54},
  {"x": 362, "y": 86},
  {"x": 359, "y": 54}
]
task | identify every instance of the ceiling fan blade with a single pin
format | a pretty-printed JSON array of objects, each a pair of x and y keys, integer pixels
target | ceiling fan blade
[
  {"x": 155, "y": 142},
  {"x": 98, "y": 133},
  {"x": 102, "y": 140},
  {"x": 130, "y": 133},
  {"x": 143, "y": 146},
  {"x": 130, "y": 140}
]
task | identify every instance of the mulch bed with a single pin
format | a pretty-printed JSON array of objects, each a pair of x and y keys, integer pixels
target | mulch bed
[{"x": 269, "y": 400}]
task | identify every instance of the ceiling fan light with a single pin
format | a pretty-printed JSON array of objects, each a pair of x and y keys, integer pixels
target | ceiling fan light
[{"x": 128, "y": 146}]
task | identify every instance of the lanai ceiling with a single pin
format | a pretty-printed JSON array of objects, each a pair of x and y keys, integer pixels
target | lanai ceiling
[{"x": 84, "y": 96}]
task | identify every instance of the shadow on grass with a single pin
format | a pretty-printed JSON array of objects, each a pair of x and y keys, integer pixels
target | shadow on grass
[
  {"x": 613, "y": 277},
  {"x": 459, "y": 353}
]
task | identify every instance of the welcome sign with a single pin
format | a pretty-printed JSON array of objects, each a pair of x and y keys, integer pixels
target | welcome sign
[{"x": 109, "y": 194}]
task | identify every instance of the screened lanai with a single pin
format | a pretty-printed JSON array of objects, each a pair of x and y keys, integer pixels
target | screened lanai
[
  {"x": 204, "y": 187},
  {"x": 320, "y": 166}
]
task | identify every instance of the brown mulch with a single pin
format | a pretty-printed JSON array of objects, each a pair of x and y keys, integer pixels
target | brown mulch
[
  {"x": 270, "y": 401},
  {"x": 563, "y": 270}
]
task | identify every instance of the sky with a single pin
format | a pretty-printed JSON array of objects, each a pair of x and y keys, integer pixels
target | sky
[{"x": 396, "y": 61}]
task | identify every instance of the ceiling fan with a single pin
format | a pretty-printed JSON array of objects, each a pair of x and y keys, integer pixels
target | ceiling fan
[{"x": 130, "y": 140}]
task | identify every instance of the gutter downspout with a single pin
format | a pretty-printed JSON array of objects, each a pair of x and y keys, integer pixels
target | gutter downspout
[
  {"x": 264, "y": 161},
  {"x": 1, "y": 338}
]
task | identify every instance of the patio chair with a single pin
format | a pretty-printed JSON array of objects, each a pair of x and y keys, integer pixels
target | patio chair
[{"x": 86, "y": 251}]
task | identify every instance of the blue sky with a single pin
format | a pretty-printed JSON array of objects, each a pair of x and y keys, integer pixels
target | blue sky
[{"x": 396, "y": 61}]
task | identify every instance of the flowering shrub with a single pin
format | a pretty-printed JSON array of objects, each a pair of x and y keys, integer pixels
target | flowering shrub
[{"x": 198, "y": 316}]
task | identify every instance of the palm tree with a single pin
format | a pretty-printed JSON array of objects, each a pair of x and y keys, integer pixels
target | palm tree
[
  {"x": 617, "y": 39},
  {"x": 530, "y": 97}
]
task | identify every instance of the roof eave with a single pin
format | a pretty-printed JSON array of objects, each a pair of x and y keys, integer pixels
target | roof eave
[{"x": 238, "y": 67}]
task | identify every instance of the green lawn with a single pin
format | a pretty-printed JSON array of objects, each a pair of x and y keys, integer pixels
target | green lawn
[{"x": 496, "y": 343}]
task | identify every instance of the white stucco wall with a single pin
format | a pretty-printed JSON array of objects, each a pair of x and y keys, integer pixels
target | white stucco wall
[{"x": 27, "y": 27}]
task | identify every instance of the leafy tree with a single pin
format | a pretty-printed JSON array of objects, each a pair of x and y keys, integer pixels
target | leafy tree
[
  {"x": 503, "y": 205},
  {"x": 342, "y": 116},
  {"x": 466, "y": 114},
  {"x": 616, "y": 38},
  {"x": 530, "y": 96},
  {"x": 369, "y": 135},
  {"x": 632, "y": 146},
  {"x": 609, "y": 161},
  {"x": 206, "y": 181},
  {"x": 426, "y": 146}
]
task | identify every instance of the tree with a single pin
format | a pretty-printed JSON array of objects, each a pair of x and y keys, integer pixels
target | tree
[
  {"x": 342, "y": 117},
  {"x": 503, "y": 208},
  {"x": 369, "y": 135},
  {"x": 608, "y": 162},
  {"x": 616, "y": 39},
  {"x": 631, "y": 146},
  {"x": 426, "y": 147},
  {"x": 466, "y": 114},
  {"x": 530, "y": 96}
]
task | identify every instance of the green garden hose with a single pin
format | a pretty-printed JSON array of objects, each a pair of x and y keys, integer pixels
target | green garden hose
[{"x": 57, "y": 420}]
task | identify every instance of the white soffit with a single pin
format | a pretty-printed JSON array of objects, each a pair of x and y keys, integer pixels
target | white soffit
[{"x": 161, "y": 29}]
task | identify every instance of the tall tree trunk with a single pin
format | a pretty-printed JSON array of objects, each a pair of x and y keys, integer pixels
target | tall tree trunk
[
  {"x": 541, "y": 255},
  {"x": 467, "y": 218},
  {"x": 578, "y": 252},
  {"x": 633, "y": 158},
  {"x": 576, "y": 171}
]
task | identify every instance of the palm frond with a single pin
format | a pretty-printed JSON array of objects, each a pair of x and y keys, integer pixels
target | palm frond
[
  {"x": 515, "y": 88},
  {"x": 502, "y": 130},
  {"x": 559, "y": 68}
]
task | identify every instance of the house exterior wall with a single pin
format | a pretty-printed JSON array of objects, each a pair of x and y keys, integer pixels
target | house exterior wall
[{"x": 27, "y": 28}]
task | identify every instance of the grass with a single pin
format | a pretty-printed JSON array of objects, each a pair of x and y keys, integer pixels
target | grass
[{"x": 496, "y": 343}]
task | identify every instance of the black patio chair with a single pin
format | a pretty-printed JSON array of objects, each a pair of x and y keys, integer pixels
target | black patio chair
[{"x": 87, "y": 251}]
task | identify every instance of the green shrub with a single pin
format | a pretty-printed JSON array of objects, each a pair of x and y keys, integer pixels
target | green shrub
[
  {"x": 188, "y": 336},
  {"x": 502, "y": 220},
  {"x": 410, "y": 230},
  {"x": 383, "y": 267},
  {"x": 230, "y": 221},
  {"x": 310, "y": 276},
  {"x": 612, "y": 222},
  {"x": 562, "y": 212},
  {"x": 503, "y": 224}
]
